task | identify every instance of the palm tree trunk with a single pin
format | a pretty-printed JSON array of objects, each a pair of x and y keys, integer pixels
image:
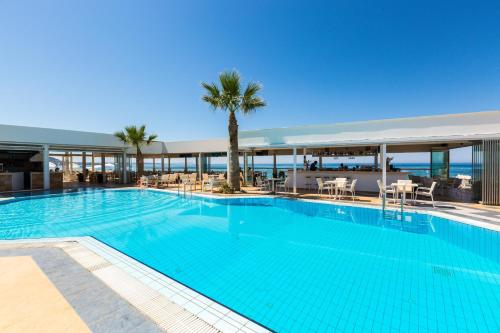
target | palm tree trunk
[
  {"x": 140, "y": 163},
  {"x": 233, "y": 172}
]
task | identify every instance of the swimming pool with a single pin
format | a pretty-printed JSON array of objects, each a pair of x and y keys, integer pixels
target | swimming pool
[{"x": 293, "y": 266}]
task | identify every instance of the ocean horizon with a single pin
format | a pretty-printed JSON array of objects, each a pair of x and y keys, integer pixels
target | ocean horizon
[{"x": 417, "y": 169}]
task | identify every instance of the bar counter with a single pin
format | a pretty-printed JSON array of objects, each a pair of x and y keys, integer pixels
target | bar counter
[
  {"x": 367, "y": 180},
  {"x": 11, "y": 181}
]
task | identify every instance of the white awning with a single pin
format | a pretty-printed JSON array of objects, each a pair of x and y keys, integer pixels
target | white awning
[{"x": 442, "y": 128}]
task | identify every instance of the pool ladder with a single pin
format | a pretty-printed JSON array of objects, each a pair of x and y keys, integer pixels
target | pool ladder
[
  {"x": 383, "y": 206},
  {"x": 184, "y": 190}
]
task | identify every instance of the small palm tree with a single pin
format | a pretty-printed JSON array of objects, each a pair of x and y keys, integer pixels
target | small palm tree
[
  {"x": 229, "y": 97},
  {"x": 136, "y": 136}
]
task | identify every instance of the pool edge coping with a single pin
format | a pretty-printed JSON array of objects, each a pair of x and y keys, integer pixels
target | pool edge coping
[
  {"x": 441, "y": 214},
  {"x": 158, "y": 286}
]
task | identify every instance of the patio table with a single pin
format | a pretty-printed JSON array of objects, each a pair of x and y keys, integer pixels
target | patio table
[
  {"x": 273, "y": 180},
  {"x": 338, "y": 185},
  {"x": 401, "y": 188}
]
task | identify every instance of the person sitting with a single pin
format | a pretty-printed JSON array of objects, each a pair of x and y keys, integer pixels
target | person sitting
[{"x": 314, "y": 166}]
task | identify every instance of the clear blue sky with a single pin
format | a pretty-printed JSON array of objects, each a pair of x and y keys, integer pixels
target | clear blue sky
[{"x": 101, "y": 65}]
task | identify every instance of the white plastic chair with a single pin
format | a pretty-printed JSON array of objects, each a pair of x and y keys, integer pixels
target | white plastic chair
[
  {"x": 144, "y": 181},
  {"x": 263, "y": 185},
  {"x": 405, "y": 186},
  {"x": 352, "y": 189},
  {"x": 322, "y": 186},
  {"x": 386, "y": 190},
  {"x": 426, "y": 192},
  {"x": 284, "y": 185}
]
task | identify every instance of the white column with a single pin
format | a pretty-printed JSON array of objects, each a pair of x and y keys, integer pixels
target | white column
[
  {"x": 253, "y": 168},
  {"x": 200, "y": 167},
  {"x": 245, "y": 167},
  {"x": 103, "y": 168},
  {"x": 275, "y": 170},
  {"x": 124, "y": 167},
  {"x": 84, "y": 165},
  {"x": 305, "y": 158},
  {"x": 154, "y": 165},
  {"x": 162, "y": 164},
  {"x": 294, "y": 170},
  {"x": 383, "y": 159},
  {"x": 46, "y": 171}
]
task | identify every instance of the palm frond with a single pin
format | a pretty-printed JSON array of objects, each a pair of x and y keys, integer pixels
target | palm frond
[
  {"x": 121, "y": 136},
  {"x": 229, "y": 97},
  {"x": 230, "y": 82},
  {"x": 252, "y": 104},
  {"x": 151, "y": 138},
  {"x": 212, "y": 97},
  {"x": 135, "y": 136},
  {"x": 250, "y": 101}
]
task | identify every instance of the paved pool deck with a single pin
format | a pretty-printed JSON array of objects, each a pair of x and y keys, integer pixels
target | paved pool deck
[
  {"x": 45, "y": 290},
  {"x": 107, "y": 291}
]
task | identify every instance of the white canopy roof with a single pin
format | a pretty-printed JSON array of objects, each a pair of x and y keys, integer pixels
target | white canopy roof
[
  {"x": 24, "y": 135},
  {"x": 426, "y": 129},
  {"x": 401, "y": 131}
]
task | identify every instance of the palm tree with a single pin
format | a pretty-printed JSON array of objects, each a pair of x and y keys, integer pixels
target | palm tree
[
  {"x": 136, "y": 136},
  {"x": 229, "y": 97}
]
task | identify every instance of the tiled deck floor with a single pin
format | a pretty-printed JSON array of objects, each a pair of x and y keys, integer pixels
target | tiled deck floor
[
  {"x": 144, "y": 300},
  {"x": 53, "y": 293}
]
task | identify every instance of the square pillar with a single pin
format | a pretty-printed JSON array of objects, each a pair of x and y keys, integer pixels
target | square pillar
[
  {"x": 305, "y": 159},
  {"x": 84, "y": 165},
  {"x": 124, "y": 168},
  {"x": 275, "y": 170},
  {"x": 295, "y": 170},
  {"x": 200, "y": 166},
  {"x": 253, "y": 168},
  {"x": 245, "y": 167},
  {"x": 46, "y": 170},
  {"x": 103, "y": 167},
  {"x": 383, "y": 160}
]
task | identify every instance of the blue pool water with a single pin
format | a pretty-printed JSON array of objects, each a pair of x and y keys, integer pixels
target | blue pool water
[{"x": 293, "y": 266}]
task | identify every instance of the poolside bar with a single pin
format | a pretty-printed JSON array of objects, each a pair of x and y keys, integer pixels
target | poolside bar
[{"x": 435, "y": 135}]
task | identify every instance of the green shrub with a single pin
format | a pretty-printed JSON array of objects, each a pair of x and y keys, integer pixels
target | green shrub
[{"x": 226, "y": 189}]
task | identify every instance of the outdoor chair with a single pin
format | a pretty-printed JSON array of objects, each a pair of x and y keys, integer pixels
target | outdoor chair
[
  {"x": 263, "y": 185},
  {"x": 284, "y": 185},
  {"x": 386, "y": 190},
  {"x": 407, "y": 184},
  {"x": 144, "y": 181},
  {"x": 426, "y": 192},
  {"x": 352, "y": 189},
  {"x": 322, "y": 186}
]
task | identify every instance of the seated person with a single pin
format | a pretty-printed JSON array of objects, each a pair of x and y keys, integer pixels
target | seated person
[{"x": 314, "y": 166}]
